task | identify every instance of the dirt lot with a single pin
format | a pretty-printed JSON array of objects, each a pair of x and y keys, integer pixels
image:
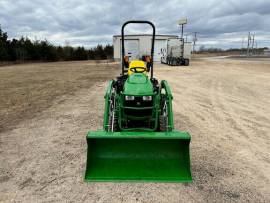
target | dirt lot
[{"x": 46, "y": 110}]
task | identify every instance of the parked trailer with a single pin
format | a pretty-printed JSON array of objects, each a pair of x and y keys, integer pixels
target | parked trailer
[{"x": 177, "y": 52}]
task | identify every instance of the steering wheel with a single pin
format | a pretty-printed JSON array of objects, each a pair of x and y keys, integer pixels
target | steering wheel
[{"x": 135, "y": 69}]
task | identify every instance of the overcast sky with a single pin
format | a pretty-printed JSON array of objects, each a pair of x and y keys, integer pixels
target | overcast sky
[{"x": 89, "y": 22}]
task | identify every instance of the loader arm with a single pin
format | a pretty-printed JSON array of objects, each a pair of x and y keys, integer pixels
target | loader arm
[
  {"x": 169, "y": 98},
  {"x": 107, "y": 97}
]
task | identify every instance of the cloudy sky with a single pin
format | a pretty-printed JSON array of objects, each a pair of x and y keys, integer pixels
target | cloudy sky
[{"x": 220, "y": 23}]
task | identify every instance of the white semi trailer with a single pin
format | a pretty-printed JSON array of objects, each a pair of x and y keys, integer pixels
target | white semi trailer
[{"x": 177, "y": 52}]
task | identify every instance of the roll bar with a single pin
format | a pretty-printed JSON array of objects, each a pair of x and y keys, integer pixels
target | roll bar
[{"x": 123, "y": 42}]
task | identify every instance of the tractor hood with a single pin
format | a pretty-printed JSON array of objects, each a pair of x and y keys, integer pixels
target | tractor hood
[{"x": 138, "y": 84}]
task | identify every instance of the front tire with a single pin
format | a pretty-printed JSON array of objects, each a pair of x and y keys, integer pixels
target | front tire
[
  {"x": 113, "y": 123},
  {"x": 163, "y": 123},
  {"x": 163, "y": 117}
]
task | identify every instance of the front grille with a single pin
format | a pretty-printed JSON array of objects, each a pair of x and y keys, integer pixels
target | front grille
[{"x": 138, "y": 103}]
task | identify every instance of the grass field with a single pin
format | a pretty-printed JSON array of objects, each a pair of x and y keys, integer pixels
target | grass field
[
  {"x": 29, "y": 89},
  {"x": 47, "y": 108}
]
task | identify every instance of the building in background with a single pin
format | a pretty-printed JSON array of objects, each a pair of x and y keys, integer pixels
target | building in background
[{"x": 137, "y": 46}]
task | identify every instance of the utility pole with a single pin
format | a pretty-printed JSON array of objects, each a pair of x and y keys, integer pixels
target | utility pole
[
  {"x": 242, "y": 47},
  {"x": 182, "y": 22},
  {"x": 182, "y": 31},
  {"x": 194, "y": 41},
  {"x": 256, "y": 49},
  {"x": 248, "y": 44},
  {"x": 252, "y": 47}
]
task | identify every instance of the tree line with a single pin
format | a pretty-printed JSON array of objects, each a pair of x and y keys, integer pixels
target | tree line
[
  {"x": 24, "y": 49},
  {"x": 203, "y": 49}
]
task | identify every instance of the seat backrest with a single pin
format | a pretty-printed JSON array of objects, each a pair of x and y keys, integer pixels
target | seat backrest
[{"x": 136, "y": 64}]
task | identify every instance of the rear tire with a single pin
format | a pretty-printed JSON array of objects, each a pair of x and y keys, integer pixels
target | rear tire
[
  {"x": 186, "y": 62},
  {"x": 178, "y": 62},
  {"x": 174, "y": 62}
]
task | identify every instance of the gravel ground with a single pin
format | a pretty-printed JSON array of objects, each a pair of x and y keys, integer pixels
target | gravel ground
[{"x": 223, "y": 103}]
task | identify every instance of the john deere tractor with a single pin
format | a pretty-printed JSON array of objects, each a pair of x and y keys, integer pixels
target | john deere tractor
[{"x": 138, "y": 141}]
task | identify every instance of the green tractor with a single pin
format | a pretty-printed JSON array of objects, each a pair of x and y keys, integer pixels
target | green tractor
[{"x": 138, "y": 141}]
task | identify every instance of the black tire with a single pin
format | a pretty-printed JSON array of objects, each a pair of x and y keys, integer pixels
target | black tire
[
  {"x": 163, "y": 123},
  {"x": 173, "y": 62},
  {"x": 115, "y": 124},
  {"x": 113, "y": 119},
  {"x": 178, "y": 62},
  {"x": 186, "y": 62},
  {"x": 163, "y": 117}
]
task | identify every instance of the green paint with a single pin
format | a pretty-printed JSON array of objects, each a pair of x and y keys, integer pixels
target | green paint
[
  {"x": 169, "y": 97},
  {"x": 137, "y": 135},
  {"x": 138, "y": 156},
  {"x": 107, "y": 105},
  {"x": 138, "y": 84},
  {"x": 138, "y": 153}
]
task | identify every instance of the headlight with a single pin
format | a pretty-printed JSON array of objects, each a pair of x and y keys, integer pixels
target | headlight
[
  {"x": 129, "y": 98},
  {"x": 147, "y": 98}
]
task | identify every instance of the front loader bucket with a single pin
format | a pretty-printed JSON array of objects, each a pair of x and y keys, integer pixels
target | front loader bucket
[{"x": 138, "y": 156}]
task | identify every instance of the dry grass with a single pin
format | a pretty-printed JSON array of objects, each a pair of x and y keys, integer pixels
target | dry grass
[{"x": 30, "y": 88}]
